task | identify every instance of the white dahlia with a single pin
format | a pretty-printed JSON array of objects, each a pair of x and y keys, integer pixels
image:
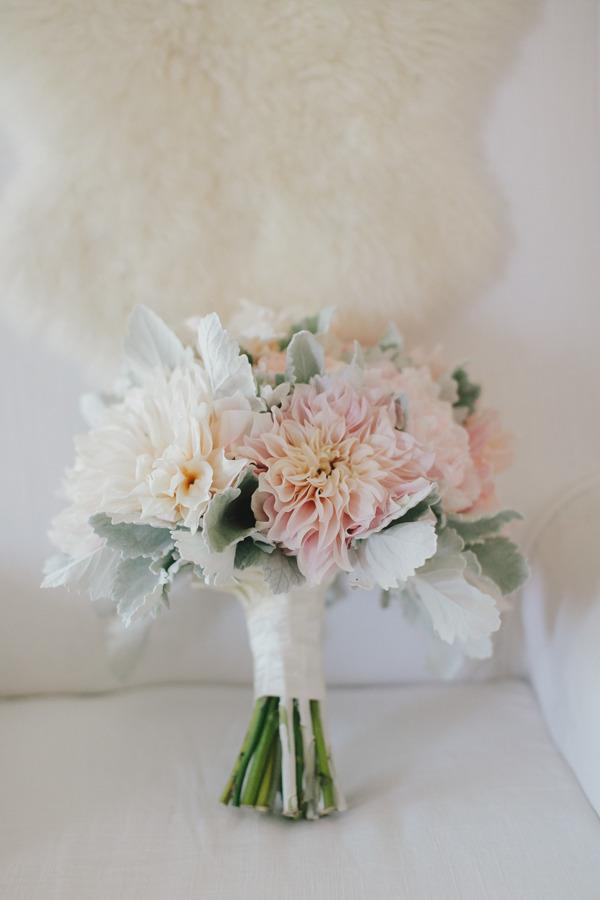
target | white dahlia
[{"x": 159, "y": 454}]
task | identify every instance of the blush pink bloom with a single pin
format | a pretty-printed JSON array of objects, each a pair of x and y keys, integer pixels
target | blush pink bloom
[
  {"x": 430, "y": 420},
  {"x": 491, "y": 451},
  {"x": 332, "y": 466}
]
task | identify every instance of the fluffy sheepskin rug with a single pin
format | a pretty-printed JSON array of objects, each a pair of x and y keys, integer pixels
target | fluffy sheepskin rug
[{"x": 294, "y": 152}]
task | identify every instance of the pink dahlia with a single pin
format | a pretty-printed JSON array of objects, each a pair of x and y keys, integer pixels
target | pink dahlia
[
  {"x": 332, "y": 466},
  {"x": 430, "y": 419},
  {"x": 491, "y": 451}
]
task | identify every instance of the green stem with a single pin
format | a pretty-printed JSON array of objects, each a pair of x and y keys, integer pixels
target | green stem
[
  {"x": 264, "y": 791},
  {"x": 259, "y": 759},
  {"x": 276, "y": 776},
  {"x": 323, "y": 769},
  {"x": 234, "y": 785},
  {"x": 299, "y": 756}
]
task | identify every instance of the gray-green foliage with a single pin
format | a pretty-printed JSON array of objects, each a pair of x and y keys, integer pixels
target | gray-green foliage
[
  {"x": 477, "y": 529},
  {"x": 92, "y": 574},
  {"x": 136, "y": 588},
  {"x": 150, "y": 345},
  {"x": 251, "y": 553},
  {"x": 468, "y": 391},
  {"x": 501, "y": 560},
  {"x": 229, "y": 517},
  {"x": 280, "y": 571},
  {"x": 132, "y": 540},
  {"x": 305, "y": 358},
  {"x": 391, "y": 347},
  {"x": 132, "y": 569},
  {"x": 319, "y": 323}
]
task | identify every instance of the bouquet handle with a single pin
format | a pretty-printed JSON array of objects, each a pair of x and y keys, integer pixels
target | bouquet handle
[{"x": 285, "y": 762}]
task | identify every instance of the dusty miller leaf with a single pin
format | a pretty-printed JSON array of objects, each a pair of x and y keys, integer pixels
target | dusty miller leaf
[
  {"x": 250, "y": 553},
  {"x": 228, "y": 370},
  {"x": 92, "y": 574},
  {"x": 305, "y": 358},
  {"x": 281, "y": 572},
  {"x": 137, "y": 589},
  {"x": 459, "y": 611},
  {"x": 132, "y": 540},
  {"x": 468, "y": 391},
  {"x": 150, "y": 345},
  {"x": 501, "y": 560},
  {"x": 478, "y": 529},
  {"x": 229, "y": 517},
  {"x": 389, "y": 557}
]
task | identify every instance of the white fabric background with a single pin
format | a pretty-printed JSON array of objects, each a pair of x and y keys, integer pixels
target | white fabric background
[
  {"x": 532, "y": 341},
  {"x": 455, "y": 793}
]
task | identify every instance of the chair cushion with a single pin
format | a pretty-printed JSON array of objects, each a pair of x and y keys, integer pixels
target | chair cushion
[{"x": 455, "y": 793}]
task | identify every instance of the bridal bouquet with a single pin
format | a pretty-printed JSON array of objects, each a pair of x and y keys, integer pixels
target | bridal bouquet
[{"x": 269, "y": 469}]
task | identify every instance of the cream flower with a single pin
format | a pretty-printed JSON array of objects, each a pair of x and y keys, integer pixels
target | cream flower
[{"x": 158, "y": 455}]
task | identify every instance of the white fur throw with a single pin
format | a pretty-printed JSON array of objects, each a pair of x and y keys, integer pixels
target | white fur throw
[{"x": 295, "y": 152}]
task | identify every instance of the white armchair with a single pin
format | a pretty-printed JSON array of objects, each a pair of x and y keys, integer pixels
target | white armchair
[
  {"x": 561, "y": 616},
  {"x": 484, "y": 789}
]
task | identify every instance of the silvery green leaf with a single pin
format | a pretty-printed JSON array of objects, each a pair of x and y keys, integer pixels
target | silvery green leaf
[
  {"x": 191, "y": 546},
  {"x": 501, "y": 561},
  {"x": 450, "y": 543},
  {"x": 476, "y": 529},
  {"x": 251, "y": 553},
  {"x": 92, "y": 574},
  {"x": 137, "y": 590},
  {"x": 216, "y": 568},
  {"x": 392, "y": 339},
  {"x": 389, "y": 557},
  {"x": 472, "y": 563},
  {"x": 150, "y": 345},
  {"x": 319, "y": 323},
  {"x": 475, "y": 576},
  {"x": 468, "y": 392},
  {"x": 229, "y": 372},
  {"x": 458, "y": 610},
  {"x": 132, "y": 540},
  {"x": 390, "y": 347},
  {"x": 281, "y": 572},
  {"x": 305, "y": 358},
  {"x": 170, "y": 562},
  {"x": 229, "y": 517}
]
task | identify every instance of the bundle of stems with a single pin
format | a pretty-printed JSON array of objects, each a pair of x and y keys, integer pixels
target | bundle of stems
[{"x": 285, "y": 764}]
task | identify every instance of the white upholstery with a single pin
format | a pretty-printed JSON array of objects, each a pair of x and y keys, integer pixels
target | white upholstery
[
  {"x": 562, "y": 627},
  {"x": 456, "y": 793}
]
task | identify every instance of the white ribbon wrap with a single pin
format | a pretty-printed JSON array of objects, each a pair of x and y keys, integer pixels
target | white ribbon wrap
[{"x": 286, "y": 633}]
